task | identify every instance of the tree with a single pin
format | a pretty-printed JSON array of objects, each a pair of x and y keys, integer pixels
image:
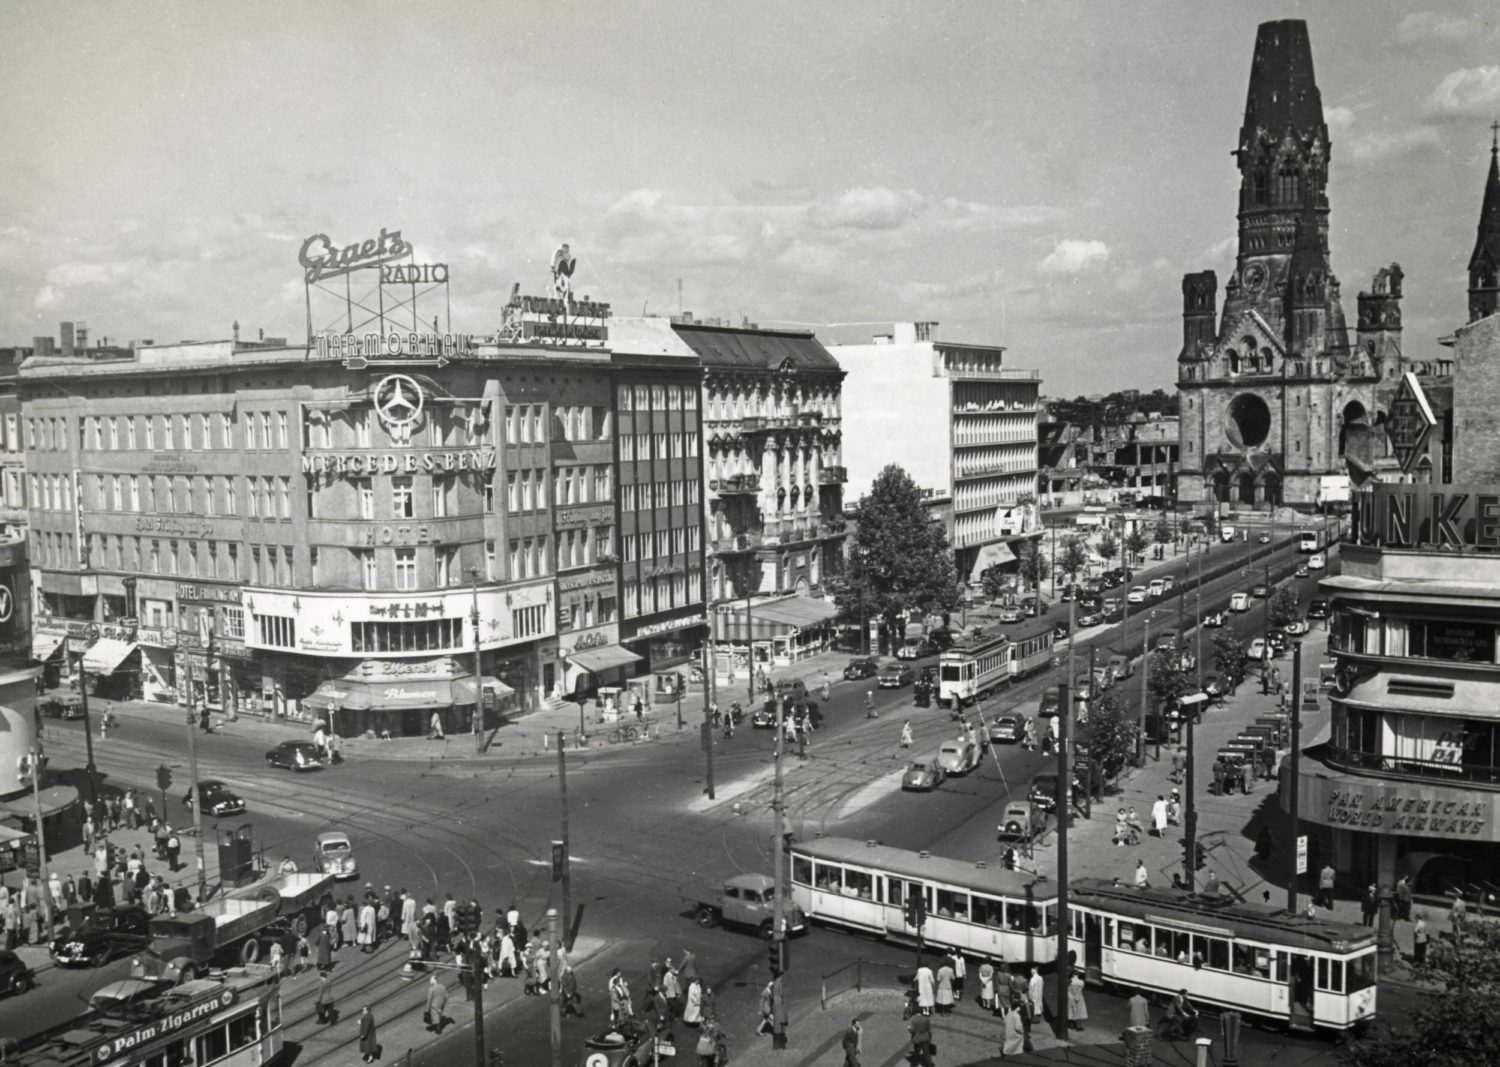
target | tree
[
  {"x": 1111, "y": 737},
  {"x": 899, "y": 560},
  {"x": 1108, "y": 547},
  {"x": 994, "y": 583},
  {"x": 1165, "y": 678},
  {"x": 1453, "y": 1021},
  {"x": 1034, "y": 566},
  {"x": 1135, "y": 544},
  {"x": 1161, "y": 533},
  {"x": 1075, "y": 557},
  {"x": 1284, "y": 606},
  {"x": 1229, "y": 657}
]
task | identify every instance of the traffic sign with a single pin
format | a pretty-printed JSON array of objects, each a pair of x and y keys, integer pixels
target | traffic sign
[{"x": 1302, "y": 854}]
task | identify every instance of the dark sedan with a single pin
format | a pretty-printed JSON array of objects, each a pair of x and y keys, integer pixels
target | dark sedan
[
  {"x": 15, "y": 976},
  {"x": 860, "y": 668},
  {"x": 102, "y": 936},
  {"x": 218, "y": 798},
  {"x": 295, "y": 756}
]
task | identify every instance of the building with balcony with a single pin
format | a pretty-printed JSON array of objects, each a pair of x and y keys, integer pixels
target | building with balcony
[{"x": 960, "y": 422}]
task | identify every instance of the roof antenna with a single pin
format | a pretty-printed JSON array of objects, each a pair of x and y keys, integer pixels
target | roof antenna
[{"x": 679, "y": 296}]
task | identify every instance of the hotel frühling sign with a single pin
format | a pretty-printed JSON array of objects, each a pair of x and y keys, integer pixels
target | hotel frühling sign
[{"x": 1420, "y": 517}]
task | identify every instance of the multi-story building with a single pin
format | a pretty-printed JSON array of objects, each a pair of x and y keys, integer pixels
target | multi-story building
[
  {"x": 15, "y": 575},
  {"x": 960, "y": 422}
]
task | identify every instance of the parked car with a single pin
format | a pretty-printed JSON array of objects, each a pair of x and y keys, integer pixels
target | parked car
[
  {"x": 1090, "y": 618},
  {"x": 895, "y": 676},
  {"x": 102, "y": 935},
  {"x": 1264, "y": 539},
  {"x": 916, "y": 649},
  {"x": 958, "y": 757},
  {"x": 922, "y": 777},
  {"x": 1260, "y": 591},
  {"x": 1317, "y": 608},
  {"x": 1011, "y": 615},
  {"x": 333, "y": 854},
  {"x": 1317, "y": 561},
  {"x": 1137, "y": 594},
  {"x": 860, "y": 668},
  {"x": 1047, "y": 705},
  {"x": 1215, "y": 687},
  {"x": 1239, "y": 602},
  {"x": 1167, "y": 639},
  {"x": 1156, "y": 587},
  {"x": 1119, "y": 666},
  {"x": 15, "y": 977},
  {"x": 1257, "y": 650},
  {"x": 1110, "y": 608},
  {"x": 1168, "y": 583},
  {"x": 218, "y": 799},
  {"x": 1043, "y": 791},
  {"x": 1029, "y": 608},
  {"x": 791, "y": 691},
  {"x": 1066, "y": 594},
  {"x": 1008, "y": 728},
  {"x": 1021, "y": 819},
  {"x": 296, "y": 756},
  {"x": 1060, "y": 630},
  {"x": 1301, "y": 571}
]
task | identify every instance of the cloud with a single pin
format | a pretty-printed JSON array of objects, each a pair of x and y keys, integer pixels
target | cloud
[
  {"x": 1376, "y": 145},
  {"x": 1338, "y": 119},
  {"x": 1072, "y": 256},
  {"x": 1430, "y": 27},
  {"x": 861, "y": 208},
  {"x": 1467, "y": 93}
]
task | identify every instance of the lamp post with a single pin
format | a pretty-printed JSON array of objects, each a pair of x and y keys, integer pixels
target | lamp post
[
  {"x": 88, "y": 733},
  {"x": 478, "y": 720}
]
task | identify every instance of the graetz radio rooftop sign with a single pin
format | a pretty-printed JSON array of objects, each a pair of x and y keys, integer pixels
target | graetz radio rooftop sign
[
  {"x": 1429, "y": 516},
  {"x": 320, "y": 259}
]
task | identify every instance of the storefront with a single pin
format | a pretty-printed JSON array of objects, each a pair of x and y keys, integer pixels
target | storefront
[
  {"x": 783, "y": 631},
  {"x": 404, "y": 706},
  {"x": 668, "y": 648},
  {"x": 595, "y": 657}
]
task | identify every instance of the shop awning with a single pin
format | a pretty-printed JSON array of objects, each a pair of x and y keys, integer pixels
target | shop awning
[
  {"x": 45, "y": 646},
  {"x": 604, "y": 658},
  {"x": 463, "y": 688},
  {"x": 359, "y": 694},
  {"x": 990, "y": 556},
  {"x": 51, "y": 800},
  {"x": 105, "y": 655},
  {"x": 795, "y": 611}
]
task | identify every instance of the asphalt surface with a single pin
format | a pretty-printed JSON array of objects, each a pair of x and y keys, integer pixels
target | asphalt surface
[{"x": 642, "y": 833}]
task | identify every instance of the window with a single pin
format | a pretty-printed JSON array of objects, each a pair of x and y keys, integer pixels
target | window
[
  {"x": 265, "y": 429},
  {"x": 284, "y": 497},
  {"x": 226, "y": 430},
  {"x": 528, "y": 622},
  {"x": 276, "y": 630},
  {"x": 367, "y": 569},
  {"x": 362, "y": 429},
  {"x": 281, "y": 430},
  {"x": 601, "y": 484},
  {"x": 440, "y": 489},
  {"x": 234, "y": 561},
  {"x": 205, "y": 431},
  {"x": 366, "y": 491},
  {"x": 231, "y": 498},
  {"x": 406, "y": 568},
  {"x": 489, "y": 561},
  {"x": 447, "y": 566}
]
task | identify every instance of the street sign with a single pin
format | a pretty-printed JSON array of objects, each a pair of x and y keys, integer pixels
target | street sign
[
  {"x": 1302, "y": 854},
  {"x": 1410, "y": 421}
]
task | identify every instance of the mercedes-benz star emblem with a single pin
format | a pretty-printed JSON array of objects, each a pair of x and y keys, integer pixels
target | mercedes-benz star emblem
[{"x": 398, "y": 400}]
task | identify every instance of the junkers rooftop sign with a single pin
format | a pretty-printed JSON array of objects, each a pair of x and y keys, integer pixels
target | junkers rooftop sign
[{"x": 1428, "y": 516}]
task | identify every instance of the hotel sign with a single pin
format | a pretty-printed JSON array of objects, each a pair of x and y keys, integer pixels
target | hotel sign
[
  {"x": 359, "y": 464},
  {"x": 1418, "y": 516}
]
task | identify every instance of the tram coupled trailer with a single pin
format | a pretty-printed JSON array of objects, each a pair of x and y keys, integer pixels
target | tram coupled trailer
[
  {"x": 1310, "y": 974},
  {"x": 984, "y": 911},
  {"x": 973, "y": 669},
  {"x": 1031, "y": 648}
]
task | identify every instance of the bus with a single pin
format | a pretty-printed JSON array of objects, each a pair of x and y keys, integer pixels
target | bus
[
  {"x": 1309, "y": 540},
  {"x": 973, "y": 669},
  {"x": 1307, "y": 974},
  {"x": 231, "y": 1019},
  {"x": 989, "y": 912}
]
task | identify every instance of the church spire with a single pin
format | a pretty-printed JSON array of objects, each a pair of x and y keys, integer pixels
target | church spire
[{"x": 1484, "y": 264}]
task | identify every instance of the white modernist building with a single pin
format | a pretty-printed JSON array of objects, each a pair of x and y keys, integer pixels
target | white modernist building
[{"x": 962, "y": 424}]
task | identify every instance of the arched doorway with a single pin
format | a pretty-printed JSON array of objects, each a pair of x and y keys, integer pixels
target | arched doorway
[
  {"x": 1246, "y": 483},
  {"x": 1221, "y": 486},
  {"x": 1271, "y": 489},
  {"x": 1353, "y": 419}
]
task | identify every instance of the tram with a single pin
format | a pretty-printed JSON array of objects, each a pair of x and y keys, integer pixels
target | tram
[
  {"x": 983, "y": 911},
  {"x": 232, "y": 1019},
  {"x": 1031, "y": 648},
  {"x": 1305, "y": 973},
  {"x": 973, "y": 669}
]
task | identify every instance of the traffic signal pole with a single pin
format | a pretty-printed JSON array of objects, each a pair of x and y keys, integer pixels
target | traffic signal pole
[
  {"x": 1064, "y": 781},
  {"x": 778, "y": 916}
]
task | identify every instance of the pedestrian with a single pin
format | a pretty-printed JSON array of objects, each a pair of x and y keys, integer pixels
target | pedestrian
[
  {"x": 369, "y": 1045},
  {"x": 1159, "y": 817},
  {"x": 1458, "y": 914},
  {"x": 348, "y": 923},
  {"x": 1133, "y": 828},
  {"x": 1078, "y": 1009},
  {"x": 960, "y": 972},
  {"x": 437, "y": 1001},
  {"x": 174, "y": 849},
  {"x": 277, "y": 959},
  {"x": 987, "y": 986},
  {"x": 1211, "y": 884},
  {"x": 327, "y": 1013},
  {"x": 1034, "y": 987},
  {"x": 1325, "y": 886},
  {"x": 767, "y": 1008},
  {"x": 1179, "y": 762},
  {"x": 920, "y": 1028},
  {"x": 1419, "y": 937},
  {"x": 325, "y": 949},
  {"x": 1218, "y": 777},
  {"x": 1368, "y": 906},
  {"x": 435, "y": 728},
  {"x": 1174, "y": 810},
  {"x": 567, "y": 985},
  {"x": 906, "y": 737},
  {"x": 619, "y": 998},
  {"x": 671, "y": 986},
  {"x": 944, "y": 995},
  {"x": 1013, "y": 1042},
  {"x": 1029, "y": 736},
  {"x": 1403, "y": 899},
  {"x": 366, "y": 936},
  {"x": 1121, "y": 831},
  {"x": 850, "y": 1044},
  {"x": 1140, "y": 1012},
  {"x": 302, "y": 955},
  {"x": 1142, "y": 879},
  {"x": 88, "y": 833},
  {"x": 870, "y": 704},
  {"x": 926, "y": 989},
  {"x": 507, "y": 962},
  {"x": 692, "y": 1009}
]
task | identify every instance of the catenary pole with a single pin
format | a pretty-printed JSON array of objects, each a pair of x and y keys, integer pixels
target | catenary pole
[
  {"x": 554, "y": 987},
  {"x": 41, "y": 836},
  {"x": 192, "y": 726},
  {"x": 567, "y": 847},
  {"x": 1293, "y": 777}
]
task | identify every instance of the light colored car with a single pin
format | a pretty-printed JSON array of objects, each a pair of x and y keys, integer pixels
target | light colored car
[
  {"x": 1137, "y": 594},
  {"x": 1011, "y": 615},
  {"x": 1167, "y": 639},
  {"x": 1168, "y": 584},
  {"x": 1296, "y": 628},
  {"x": 1317, "y": 561},
  {"x": 1022, "y": 819},
  {"x": 1213, "y": 620},
  {"x": 922, "y": 777},
  {"x": 1264, "y": 539},
  {"x": 895, "y": 676},
  {"x": 1119, "y": 666},
  {"x": 1239, "y": 602},
  {"x": 1256, "y": 650},
  {"x": 1156, "y": 587},
  {"x": 958, "y": 757},
  {"x": 333, "y": 853}
]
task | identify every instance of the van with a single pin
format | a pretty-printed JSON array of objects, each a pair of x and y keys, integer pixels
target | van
[{"x": 1239, "y": 602}]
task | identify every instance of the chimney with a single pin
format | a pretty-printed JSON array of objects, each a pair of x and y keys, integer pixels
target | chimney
[
  {"x": 262, "y": 333},
  {"x": 66, "y": 331},
  {"x": 82, "y": 330},
  {"x": 236, "y": 331}
]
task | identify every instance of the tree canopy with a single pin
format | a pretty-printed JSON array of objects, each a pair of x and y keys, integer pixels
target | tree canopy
[
  {"x": 1034, "y": 566},
  {"x": 1284, "y": 606},
  {"x": 1108, "y": 546},
  {"x": 899, "y": 559},
  {"x": 1165, "y": 678},
  {"x": 1135, "y": 543},
  {"x": 1109, "y": 734},
  {"x": 1229, "y": 656},
  {"x": 1073, "y": 558}
]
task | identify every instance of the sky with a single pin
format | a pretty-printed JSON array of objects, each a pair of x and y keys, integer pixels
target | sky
[{"x": 1034, "y": 174}]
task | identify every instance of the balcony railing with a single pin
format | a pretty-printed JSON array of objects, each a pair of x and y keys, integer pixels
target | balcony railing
[
  {"x": 744, "y": 542},
  {"x": 832, "y": 475},
  {"x": 736, "y": 483},
  {"x": 1409, "y": 767}
]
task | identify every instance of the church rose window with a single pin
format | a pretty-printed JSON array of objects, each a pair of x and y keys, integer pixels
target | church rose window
[{"x": 1249, "y": 421}]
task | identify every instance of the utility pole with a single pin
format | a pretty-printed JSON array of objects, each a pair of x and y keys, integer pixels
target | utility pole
[
  {"x": 708, "y": 701},
  {"x": 88, "y": 731},
  {"x": 1064, "y": 789},
  {"x": 567, "y": 858},
  {"x": 478, "y": 722},
  {"x": 554, "y": 991},
  {"x": 750, "y": 648},
  {"x": 1145, "y": 696},
  {"x": 1190, "y": 810},
  {"x": 778, "y": 921},
  {"x": 477, "y": 985},
  {"x": 1292, "y": 778},
  {"x": 192, "y": 725},
  {"x": 41, "y": 836}
]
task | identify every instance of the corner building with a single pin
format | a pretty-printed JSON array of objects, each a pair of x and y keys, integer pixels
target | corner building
[{"x": 333, "y": 531}]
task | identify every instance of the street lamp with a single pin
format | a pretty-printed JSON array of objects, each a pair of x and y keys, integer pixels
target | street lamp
[{"x": 478, "y": 719}]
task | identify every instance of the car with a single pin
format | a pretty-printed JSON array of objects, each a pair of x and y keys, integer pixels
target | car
[
  {"x": 940, "y": 639},
  {"x": 102, "y": 935},
  {"x": 1119, "y": 666},
  {"x": 1215, "y": 687},
  {"x": 1239, "y": 602},
  {"x": 1029, "y": 608},
  {"x": 916, "y": 649},
  {"x": 895, "y": 676},
  {"x": 1296, "y": 628},
  {"x": 1047, "y": 706},
  {"x": 1264, "y": 539},
  {"x": 1213, "y": 620},
  {"x": 1226, "y": 533},
  {"x": 1043, "y": 791},
  {"x": 792, "y": 691},
  {"x": 333, "y": 853},
  {"x": 1113, "y": 577},
  {"x": 958, "y": 757},
  {"x": 1155, "y": 588},
  {"x": 218, "y": 798},
  {"x": 1317, "y": 561},
  {"x": 1276, "y": 638},
  {"x": 1168, "y": 583},
  {"x": 1110, "y": 606},
  {"x": 1021, "y": 819},
  {"x": 1137, "y": 595},
  {"x": 1084, "y": 684},
  {"x": 1060, "y": 630},
  {"x": 296, "y": 756},
  {"x": 65, "y": 708},
  {"x": 764, "y": 717},
  {"x": 922, "y": 777},
  {"x": 1067, "y": 593},
  {"x": 1257, "y": 650},
  {"x": 860, "y": 668},
  {"x": 1317, "y": 608},
  {"x": 15, "y": 977},
  {"x": 1104, "y": 678},
  {"x": 1090, "y": 618},
  {"x": 1011, "y": 615},
  {"x": 1301, "y": 571},
  {"x": 1260, "y": 590},
  {"x": 1167, "y": 639},
  {"x": 1010, "y": 728}
]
